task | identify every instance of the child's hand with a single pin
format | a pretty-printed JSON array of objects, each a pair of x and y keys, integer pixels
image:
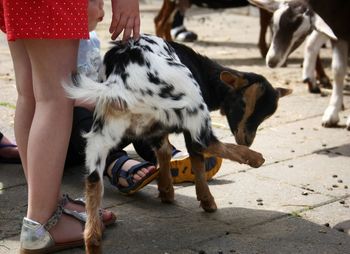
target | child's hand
[{"x": 126, "y": 16}]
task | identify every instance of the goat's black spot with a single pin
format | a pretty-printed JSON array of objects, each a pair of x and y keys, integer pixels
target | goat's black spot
[
  {"x": 201, "y": 107},
  {"x": 192, "y": 112},
  {"x": 165, "y": 91},
  {"x": 146, "y": 48},
  {"x": 93, "y": 177},
  {"x": 150, "y": 92},
  {"x": 153, "y": 78},
  {"x": 124, "y": 76},
  {"x": 178, "y": 114},
  {"x": 155, "y": 108},
  {"x": 120, "y": 56},
  {"x": 172, "y": 63},
  {"x": 166, "y": 48},
  {"x": 149, "y": 40}
]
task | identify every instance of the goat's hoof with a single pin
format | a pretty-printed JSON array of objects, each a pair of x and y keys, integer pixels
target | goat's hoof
[
  {"x": 329, "y": 123},
  {"x": 256, "y": 160},
  {"x": 325, "y": 83},
  {"x": 209, "y": 206},
  {"x": 167, "y": 197},
  {"x": 315, "y": 90},
  {"x": 92, "y": 248}
]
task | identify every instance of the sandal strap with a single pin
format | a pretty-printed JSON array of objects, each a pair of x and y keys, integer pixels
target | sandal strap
[
  {"x": 117, "y": 168},
  {"x": 129, "y": 175},
  {"x": 57, "y": 214},
  {"x": 81, "y": 216}
]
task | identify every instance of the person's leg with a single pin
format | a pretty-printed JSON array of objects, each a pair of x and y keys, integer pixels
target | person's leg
[
  {"x": 25, "y": 101},
  {"x": 178, "y": 29},
  {"x": 52, "y": 62}
]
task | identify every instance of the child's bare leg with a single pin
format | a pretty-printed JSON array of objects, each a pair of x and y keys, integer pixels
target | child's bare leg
[
  {"x": 52, "y": 62},
  {"x": 25, "y": 101}
]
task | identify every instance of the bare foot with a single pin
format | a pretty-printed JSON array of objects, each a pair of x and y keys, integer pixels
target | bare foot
[
  {"x": 67, "y": 229},
  {"x": 139, "y": 175},
  {"x": 106, "y": 215}
]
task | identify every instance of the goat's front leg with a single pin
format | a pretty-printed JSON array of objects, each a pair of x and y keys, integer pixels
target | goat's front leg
[
  {"x": 265, "y": 20},
  {"x": 165, "y": 180},
  {"x": 339, "y": 64},
  {"x": 312, "y": 48},
  {"x": 163, "y": 21},
  {"x": 239, "y": 153},
  {"x": 207, "y": 201}
]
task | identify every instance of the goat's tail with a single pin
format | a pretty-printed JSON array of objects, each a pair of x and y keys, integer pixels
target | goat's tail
[
  {"x": 84, "y": 89},
  {"x": 89, "y": 91}
]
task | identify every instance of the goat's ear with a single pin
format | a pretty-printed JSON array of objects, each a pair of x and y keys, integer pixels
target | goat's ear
[
  {"x": 283, "y": 91},
  {"x": 232, "y": 80},
  {"x": 269, "y": 5},
  {"x": 321, "y": 26}
]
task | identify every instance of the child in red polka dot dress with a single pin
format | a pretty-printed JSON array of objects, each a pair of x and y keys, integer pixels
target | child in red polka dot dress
[
  {"x": 44, "y": 39},
  {"x": 49, "y": 19}
]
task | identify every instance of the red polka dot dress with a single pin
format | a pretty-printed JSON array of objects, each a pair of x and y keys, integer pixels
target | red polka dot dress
[{"x": 44, "y": 19}]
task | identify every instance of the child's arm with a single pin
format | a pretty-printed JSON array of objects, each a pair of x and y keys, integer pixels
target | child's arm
[{"x": 125, "y": 16}]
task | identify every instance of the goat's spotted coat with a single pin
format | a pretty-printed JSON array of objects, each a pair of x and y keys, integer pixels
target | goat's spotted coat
[{"x": 154, "y": 91}]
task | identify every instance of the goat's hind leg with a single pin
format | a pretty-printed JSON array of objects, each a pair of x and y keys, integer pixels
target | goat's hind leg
[
  {"x": 165, "y": 180},
  {"x": 97, "y": 149}
]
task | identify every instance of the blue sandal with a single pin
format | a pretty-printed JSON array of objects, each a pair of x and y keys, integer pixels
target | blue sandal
[{"x": 128, "y": 175}]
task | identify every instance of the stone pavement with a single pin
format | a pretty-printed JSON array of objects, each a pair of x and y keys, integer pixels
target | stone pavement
[{"x": 297, "y": 202}]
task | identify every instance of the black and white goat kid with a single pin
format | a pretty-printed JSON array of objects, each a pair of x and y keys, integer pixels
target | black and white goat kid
[
  {"x": 293, "y": 21},
  {"x": 152, "y": 88}
]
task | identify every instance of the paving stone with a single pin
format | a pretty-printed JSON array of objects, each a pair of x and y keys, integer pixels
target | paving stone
[
  {"x": 243, "y": 190},
  {"x": 314, "y": 172},
  {"x": 335, "y": 215},
  {"x": 283, "y": 236}
]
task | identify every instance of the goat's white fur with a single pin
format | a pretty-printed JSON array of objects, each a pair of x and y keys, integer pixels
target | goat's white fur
[{"x": 313, "y": 45}]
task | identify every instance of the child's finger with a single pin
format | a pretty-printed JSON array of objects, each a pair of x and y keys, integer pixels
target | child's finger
[
  {"x": 114, "y": 22},
  {"x": 120, "y": 27},
  {"x": 136, "y": 28},
  {"x": 128, "y": 28}
]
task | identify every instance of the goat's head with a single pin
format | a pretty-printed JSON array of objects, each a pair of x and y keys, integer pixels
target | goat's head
[
  {"x": 250, "y": 99},
  {"x": 292, "y": 22}
]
